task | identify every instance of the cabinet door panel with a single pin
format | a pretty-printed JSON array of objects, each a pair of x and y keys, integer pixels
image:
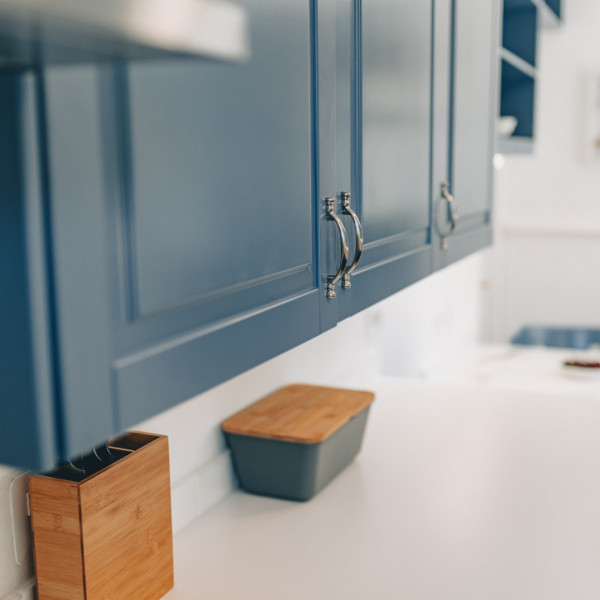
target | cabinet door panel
[
  {"x": 196, "y": 185},
  {"x": 471, "y": 135},
  {"x": 219, "y": 155},
  {"x": 396, "y": 89},
  {"x": 217, "y": 213},
  {"x": 392, "y": 145},
  {"x": 474, "y": 97}
]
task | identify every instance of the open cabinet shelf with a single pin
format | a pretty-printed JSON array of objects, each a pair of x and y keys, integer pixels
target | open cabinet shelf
[
  {"x": 550, "y": 12},
  {"x": 517, "y": 63},
  {"x": 522, "y": 20},
  {"x": 517, "y": 99}
]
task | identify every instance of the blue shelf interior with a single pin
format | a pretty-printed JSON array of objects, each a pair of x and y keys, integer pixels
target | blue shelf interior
[
  {"x": 520, "y": 30},
  {"x": 517, "y": 99},
  {"x": 554, "y": 6},
  {"x": 519, "y": 36},
  {"x": 517, "y": 4}
]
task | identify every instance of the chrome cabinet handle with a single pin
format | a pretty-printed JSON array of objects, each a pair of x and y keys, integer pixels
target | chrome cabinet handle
[
  {"x": 345, "y": 249},
  {"x": 359, "y": 239},
  {"x": 447, "y": 196}
]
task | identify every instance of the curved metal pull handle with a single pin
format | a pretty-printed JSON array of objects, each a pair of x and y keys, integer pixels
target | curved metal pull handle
[
  {"x": 447, "y": 196},
  {"x": 359, "y": 239},
  {"x": 345, "y": 249}
]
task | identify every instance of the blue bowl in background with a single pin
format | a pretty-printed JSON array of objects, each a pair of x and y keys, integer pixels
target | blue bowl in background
[{"x": 557, "y": 337}]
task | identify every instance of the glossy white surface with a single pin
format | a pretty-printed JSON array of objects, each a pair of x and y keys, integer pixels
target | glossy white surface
[
  {"x": 536, "y": 369},
  {"x": 459, "y": 493}
]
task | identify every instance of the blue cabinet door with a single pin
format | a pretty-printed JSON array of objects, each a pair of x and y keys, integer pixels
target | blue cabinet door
[
  {"x": 28, "y": 434},
  {"x": 384, "y": 141},
  {"x": 464, "y": 158},
  {"x": 187, "y": 219}
]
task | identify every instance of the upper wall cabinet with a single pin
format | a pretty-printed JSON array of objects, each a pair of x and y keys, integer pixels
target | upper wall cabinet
[
  {"x": 415, "y": 139},
  {"x": 167, "y": 225},
  {"x": 522, "y": 20},
  {"x": 464, "y": 133},
  {"x": 182, "y": 224}
]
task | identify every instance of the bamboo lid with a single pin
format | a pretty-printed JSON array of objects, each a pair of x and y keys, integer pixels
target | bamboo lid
[{"x": 305, "y": 414}]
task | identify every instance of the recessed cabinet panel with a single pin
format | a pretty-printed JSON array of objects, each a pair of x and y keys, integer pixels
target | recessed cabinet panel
[
  {"x": 474, "y": 97},
  {"x": 396, "y": 89},
  {"x": 219, "y": 155},
  {"x": 390, "y": 158},
  {"x": 217, "y": 215},
  {"x": 474, "y": 67}
]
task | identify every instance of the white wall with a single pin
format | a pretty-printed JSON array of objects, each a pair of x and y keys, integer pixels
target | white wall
[
  {"x": 425, "y": 324},
  {"x": 548, "y": 204},
  {"x": 409, "y": 333}
]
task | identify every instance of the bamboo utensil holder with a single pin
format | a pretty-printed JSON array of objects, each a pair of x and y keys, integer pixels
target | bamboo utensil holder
[{"x": 107, "y": 536}]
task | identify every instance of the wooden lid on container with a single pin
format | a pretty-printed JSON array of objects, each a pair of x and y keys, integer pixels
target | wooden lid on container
[{"x": 304, "y": 414}]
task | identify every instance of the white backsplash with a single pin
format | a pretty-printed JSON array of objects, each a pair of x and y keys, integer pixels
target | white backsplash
[
  {"x": 12, "y": 575},
  {"x": 408, "y": 334}
]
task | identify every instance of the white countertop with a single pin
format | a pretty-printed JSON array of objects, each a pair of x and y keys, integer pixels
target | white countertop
[
  {"x": 459, "y": 493},
  {"x": 524, "y": 368}
]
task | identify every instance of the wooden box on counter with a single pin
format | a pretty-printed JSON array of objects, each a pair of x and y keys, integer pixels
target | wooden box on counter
[
  {"x": 108, "y": 535},
  {"x": 292, "y": 443}
]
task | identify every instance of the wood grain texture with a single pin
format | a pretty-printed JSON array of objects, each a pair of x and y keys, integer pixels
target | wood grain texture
[
  {"x": 299, "y": 413},
  {"x": 55, "y": 523},
  {"x": 108, "y": 537},
  {"x": 126, "y": 527}
]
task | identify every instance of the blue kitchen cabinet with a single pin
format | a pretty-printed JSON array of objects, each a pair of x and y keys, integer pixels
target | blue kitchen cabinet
[
  {"x": 28, "y": 432},
  {"x": 462, "y": 182},
  {"x": 384, "y": 142},
  {"x": 417, "y": 129},
  {"x": 522, "y": 21},
  {"x": 182, "y": 215},
  {"x": 171, "y": 224}
]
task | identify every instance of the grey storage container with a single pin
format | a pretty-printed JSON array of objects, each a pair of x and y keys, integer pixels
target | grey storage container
[{"x": 292, "y": 443}]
